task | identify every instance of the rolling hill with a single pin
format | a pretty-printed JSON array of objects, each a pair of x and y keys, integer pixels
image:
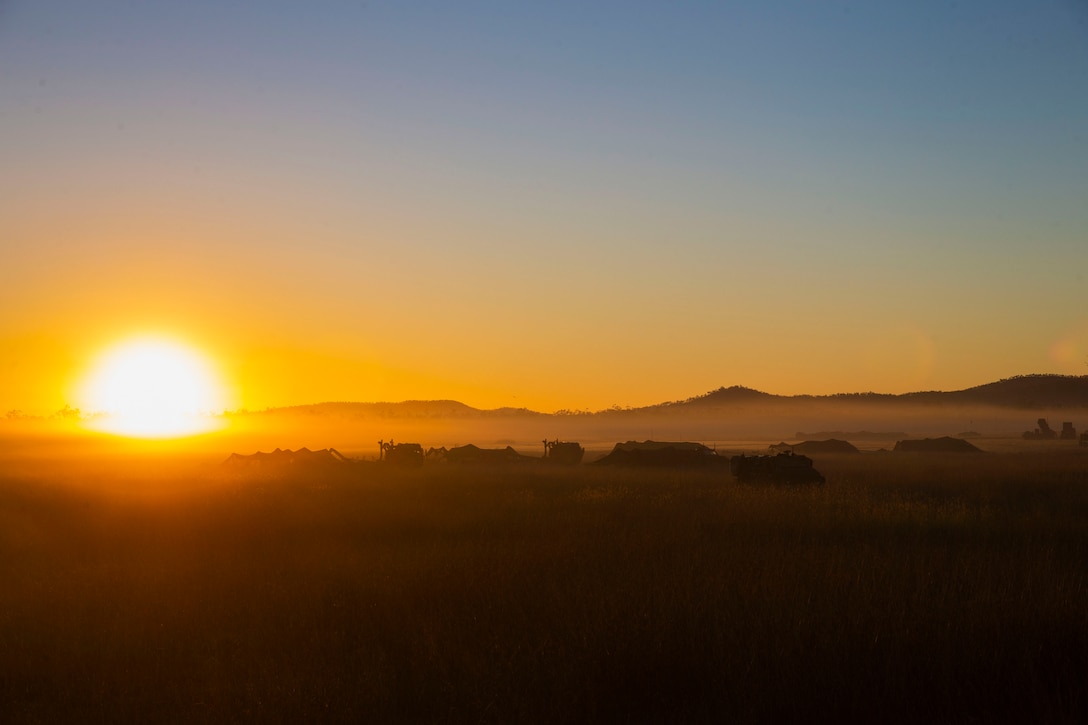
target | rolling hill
[{"x": 1027, "y": 392}]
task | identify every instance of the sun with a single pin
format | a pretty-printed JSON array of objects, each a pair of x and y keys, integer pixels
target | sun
[{"x": 152, "y": 388}]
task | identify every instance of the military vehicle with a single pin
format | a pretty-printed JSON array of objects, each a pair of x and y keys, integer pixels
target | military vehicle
[
  {"x": 786, "y": 467},
  {"x": 1043, "y": 433},
  {"x": 400, "y": 454},
  {"x": 661, "y": 454},
  {"x": 831, "y": 445},
  {"x": 565, "y": 453},
  {"x": 471, "y": 454},
  {"x": 319, "y": 466}
]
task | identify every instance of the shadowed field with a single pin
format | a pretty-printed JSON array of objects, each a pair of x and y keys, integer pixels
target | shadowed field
[{"x": 907, "y": 588}]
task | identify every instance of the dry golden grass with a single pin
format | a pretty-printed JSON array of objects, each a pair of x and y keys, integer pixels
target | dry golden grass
[{"x": 909, "y": 588}]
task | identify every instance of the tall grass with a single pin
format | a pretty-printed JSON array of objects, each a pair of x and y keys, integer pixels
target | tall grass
[{"x": 906, "y": 589}]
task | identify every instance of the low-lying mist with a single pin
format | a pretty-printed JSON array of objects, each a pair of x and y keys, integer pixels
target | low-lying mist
[{"x": 357, "y": 435}]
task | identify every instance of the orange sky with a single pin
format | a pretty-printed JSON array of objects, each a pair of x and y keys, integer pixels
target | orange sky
[{"x": 524, "y": 211}]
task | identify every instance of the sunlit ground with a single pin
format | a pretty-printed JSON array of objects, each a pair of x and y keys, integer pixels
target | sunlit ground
[{"x": 906, "y": 589}]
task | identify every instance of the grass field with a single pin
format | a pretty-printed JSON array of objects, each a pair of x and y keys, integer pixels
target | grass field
[{"x": 907, "y": 589}]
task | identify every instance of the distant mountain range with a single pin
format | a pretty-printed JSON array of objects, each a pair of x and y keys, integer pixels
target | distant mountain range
[
  {"x": 1022, "y": 392},
  {"x": 404, "y": 409},
  {"x": 1025, "y": 392}
]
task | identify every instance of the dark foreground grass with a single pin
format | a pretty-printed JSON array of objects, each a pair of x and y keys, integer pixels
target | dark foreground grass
[{"x": 929, "y": 590}]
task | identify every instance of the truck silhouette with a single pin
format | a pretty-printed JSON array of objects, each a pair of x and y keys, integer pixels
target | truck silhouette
[
  {"x": 566, "y": 453},
  {"x": 786, "y": 467}
]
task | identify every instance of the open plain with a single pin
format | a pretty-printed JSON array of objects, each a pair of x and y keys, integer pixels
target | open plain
[
  {"x": 379, "y": 361},
  {"x": 909, "y": 587}
]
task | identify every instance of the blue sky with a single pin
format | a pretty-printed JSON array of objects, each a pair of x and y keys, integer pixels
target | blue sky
[{"x": 899, "y": 185}]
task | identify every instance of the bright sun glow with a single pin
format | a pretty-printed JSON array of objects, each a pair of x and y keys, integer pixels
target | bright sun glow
[{"x": 152, "y": 388}]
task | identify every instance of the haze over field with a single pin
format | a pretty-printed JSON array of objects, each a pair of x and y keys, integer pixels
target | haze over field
[
  {"x": 546, "y": 206},
  {"x": 429, "y": 361},
  {"x": 731, "y": 420}
]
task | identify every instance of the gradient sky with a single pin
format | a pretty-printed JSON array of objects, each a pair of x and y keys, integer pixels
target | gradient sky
[{"x": 549, "y": 205}]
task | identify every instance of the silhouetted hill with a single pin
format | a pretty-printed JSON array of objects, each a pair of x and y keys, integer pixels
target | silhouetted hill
[
  {"x": 1028, "y": 392},
  {"x": 730, "y": 396},
  {"x": 404, "y": 409}
]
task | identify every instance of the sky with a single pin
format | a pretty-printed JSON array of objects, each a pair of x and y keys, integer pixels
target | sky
[{"x": 562, "y": 205}]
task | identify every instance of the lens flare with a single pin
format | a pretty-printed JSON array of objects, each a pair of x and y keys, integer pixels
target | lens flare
[
  {"x": 152, "y": 388},
  {"x": 1071, "y": 350}
]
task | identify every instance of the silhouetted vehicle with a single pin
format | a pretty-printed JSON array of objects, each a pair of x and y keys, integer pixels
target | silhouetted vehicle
[
  {"x": 565, "y": 453},
  {"x": 471, "y": 454},
  {"x": 1069, "y": 433},
  {"x": 787, "y": 467},
  {"x": 401, "y": 454},
  {"x": 1043, "y": 433},
  {"x": 325, "y": 462},
  {"x": 661, "y": 454},
  {"x": 831, "y": 445},
  {"x": 280, "y": 458}
]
